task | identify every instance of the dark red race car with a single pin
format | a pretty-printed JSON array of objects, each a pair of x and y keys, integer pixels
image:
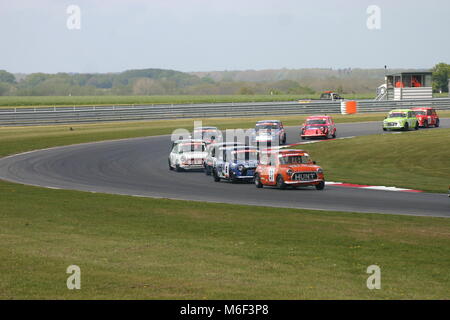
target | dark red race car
[
  {"x": 318, "y": 127},
  {"x": 426, "y": 116}
]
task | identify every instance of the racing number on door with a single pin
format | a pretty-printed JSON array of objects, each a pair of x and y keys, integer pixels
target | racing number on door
[
  {"x": 226, "y": 169},
  {"x": 271, "y": 174}
]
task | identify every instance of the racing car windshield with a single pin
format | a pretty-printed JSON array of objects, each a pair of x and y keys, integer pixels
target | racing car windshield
[
  {"x": 244, "y": 155},
  {"x": 266, "y": 126},
  {"x": 191, "y": 147},
  {"x": 397, "y": 115},
  {"x": 316, "y": 122},
  {"x": 294, "y": 160},
  {"x": 313, "y": 127},
  {"x": 206, "y": 133},
  {"x": 420, "y": 113}
]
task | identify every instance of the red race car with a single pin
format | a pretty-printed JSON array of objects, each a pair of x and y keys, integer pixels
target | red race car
[
  {"x": 318, "y": 127},
  {"x": 426, "y": 116},
  {"x": 288, "y": 167}
]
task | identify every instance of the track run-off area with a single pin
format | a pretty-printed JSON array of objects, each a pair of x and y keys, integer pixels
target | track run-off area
[{"x": 139, "y": 167}]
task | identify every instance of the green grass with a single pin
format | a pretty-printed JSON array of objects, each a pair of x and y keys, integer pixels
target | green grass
[
  {"x": 35, "y": 101},
  {"x": 417, "y": 160},
  {"x": 135, "y": 248}
]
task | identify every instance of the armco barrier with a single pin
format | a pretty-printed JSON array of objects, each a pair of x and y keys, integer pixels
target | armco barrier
[{"x": 86, "y": 114}]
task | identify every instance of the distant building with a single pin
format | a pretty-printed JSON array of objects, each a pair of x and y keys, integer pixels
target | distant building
[{"x": 406, "y": 85}]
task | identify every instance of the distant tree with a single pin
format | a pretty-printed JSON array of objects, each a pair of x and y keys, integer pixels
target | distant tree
[
  {"x": 441, "y": 74},
  {"x": 4, "y": 88},
  {"x": 34, "y": 79},
  {"x": 103, "y": 81},
  {"x": 246, "y": 90},
  {"x": 146, "y": 86},
  {"x": 285, "y": 85},
  {"x": 7, "y": 77},
  {"x": 207, "y": 80}
]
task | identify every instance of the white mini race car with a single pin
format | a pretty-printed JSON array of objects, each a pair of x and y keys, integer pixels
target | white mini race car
[{"x": 187, "y": 154}]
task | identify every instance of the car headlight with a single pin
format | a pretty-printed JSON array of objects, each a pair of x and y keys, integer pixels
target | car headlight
[
  {"x": 240, "y": 167},
  {"x": 319, "y": 170},
  {"x": 290, "y": 172},
  {"x": 183, "y": 159}
]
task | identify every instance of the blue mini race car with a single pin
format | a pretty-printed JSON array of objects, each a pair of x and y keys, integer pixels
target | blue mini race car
[{"x": 236, "y": 164}]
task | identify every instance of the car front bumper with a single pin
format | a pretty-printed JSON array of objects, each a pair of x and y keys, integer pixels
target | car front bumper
[
  {"x": 387, "y": 125},
  {"x": 307, "y": 135},
  {"x": 299, "y": 182}
]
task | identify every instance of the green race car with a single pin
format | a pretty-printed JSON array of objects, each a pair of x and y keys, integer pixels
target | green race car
[{"x": 401, "y": 119}]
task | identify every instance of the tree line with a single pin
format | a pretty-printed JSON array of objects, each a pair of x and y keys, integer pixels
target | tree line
[{"x": 170, "y": 82}]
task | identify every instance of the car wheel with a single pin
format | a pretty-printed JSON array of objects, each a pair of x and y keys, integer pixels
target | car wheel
[
  {"x": 425, "y": 124},
  {"x": 258, "y": 182},
  {"x": 384, "y": 129},
  {"x": 406, "y": 126},
  {"x": 280, "y": 182},
  {"x": 207, "y": 170},
  {"x": 232, "y": 178},
  {"x": 303, "y": 138},
  {"x": 321, "y": 185},
  {"x": 178, "y": 168},
  {"x": 416, "y": 127},
  {"x": 437, "y": 123},
  {"x": 170, "y": 166},
  {"x": 215, "y": 175},
  {"x": 284, "y": 139},
  {"x": 334, "y": 135}
]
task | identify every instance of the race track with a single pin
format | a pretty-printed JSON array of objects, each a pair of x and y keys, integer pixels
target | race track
[{"x": 139, "y": 167}]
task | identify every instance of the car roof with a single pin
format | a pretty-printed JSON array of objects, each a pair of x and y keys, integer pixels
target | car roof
[
  {"x": 318, "y": 117},
  {"x": 230, "y": 143},
  {"x": 400, "y": 110},
  {"x": 422, "y": 108},
  {"x": 281, "y": 151},
  {"x": 242, "y": 147},
  {"x": 189, "y": 141},
  {"x": 263, "y": 121},
  {"x": 225, "y": 144}
]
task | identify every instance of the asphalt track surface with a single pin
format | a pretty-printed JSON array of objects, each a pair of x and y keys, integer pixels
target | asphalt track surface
[{"x": 139, "y": 167}]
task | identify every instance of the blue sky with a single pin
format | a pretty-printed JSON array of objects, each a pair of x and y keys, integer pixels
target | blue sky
[{"x": 205, "y": 35}]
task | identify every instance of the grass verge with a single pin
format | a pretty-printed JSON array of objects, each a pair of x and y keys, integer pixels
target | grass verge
[
  {"x": 35, "y": 101},
  {"x": 135, "y": 248},
  {"x": 417, "y": 160}
]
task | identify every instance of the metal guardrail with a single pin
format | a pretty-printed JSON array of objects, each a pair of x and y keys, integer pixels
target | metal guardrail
[{"x": 84, "y": 114}]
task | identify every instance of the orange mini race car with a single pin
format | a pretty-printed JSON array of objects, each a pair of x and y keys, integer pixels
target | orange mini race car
[
  {"x": 318, "y": 127},
  {"x": 288, "y": 167}
]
